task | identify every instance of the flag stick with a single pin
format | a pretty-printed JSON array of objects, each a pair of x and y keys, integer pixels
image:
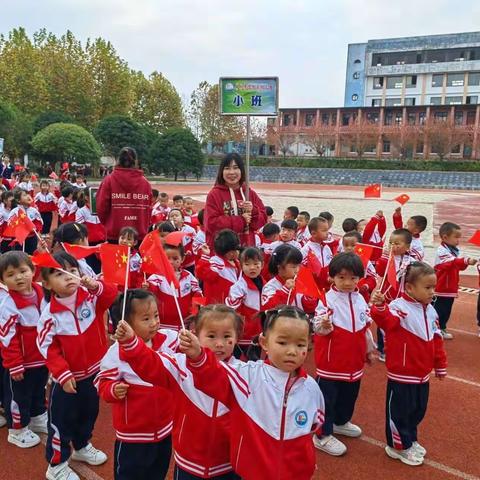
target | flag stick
[
  {"x": 177, "y": 305},
  {"x": 368, "y": 245},
  {"x": 23, "y": 246},
  {"x": 68, "y": 273},
  {"x": 126, "y": 285},
  {"x": 290, "y": 291},
  {"x": 386, "y": 271},
  {"x": 41, "y": 240}
]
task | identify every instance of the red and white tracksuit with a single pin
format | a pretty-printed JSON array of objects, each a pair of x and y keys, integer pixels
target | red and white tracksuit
[
  {"x": 401, "y": 264},
  {"x": 448, "y": 265},
  {"x": 96, "y": 231},
  {"x": 317, "y": 257},
  {"x": 45, "y": 202},
  {"x": 417, "y": 251},
  {"x": 32, "y": 213},
  {"x": 67, "y": 210},
  {"x": 374, "y": 234}
]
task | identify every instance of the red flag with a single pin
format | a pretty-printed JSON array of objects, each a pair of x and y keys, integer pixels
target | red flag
[
  {"x": 45, "y": 259},
  {"x": 305, "y": 283},
  {"x": 475, "y": 239},
  {"x": 114, "y": 262},
  {"x": 373, "y": 191},
  {"x": 34, "y": 178},
  {"x": 198, "y": 302},
  {"x": 19, "y": 226},
  {"x": 392, "y": 272},
  {"x": 53, "y": 176},
  {"x": 402, "y": 199},
  {"x": 80, "y": 251},
  {"x": 174, "y": 238},
  {"x": 364, "y": 252},
  {"x": 313, "y": 263}
]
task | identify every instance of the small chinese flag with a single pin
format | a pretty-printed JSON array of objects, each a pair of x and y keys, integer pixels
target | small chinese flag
[
  {"x": 45, "y": 259},
  {"x": 402, "y": 199},
  {"x": 175, "y": 238},
  {"x": 392, "y": 273},
  {"x": 475, "y": 238},
  {"x": 198, "y": 302},
  {"x": 34, "y": 178},
  {"x": 80, "y": 251},
  {"x": 114, "y": 262},
  {"x": 364, "y": 252},
  {"x": 53, "y": 176},
  {"x": 313, "y": 263},
  {"x": 305, "y": 284},
  {"x": 373, "y": 191},
  {"x": 19, "y": 226}
]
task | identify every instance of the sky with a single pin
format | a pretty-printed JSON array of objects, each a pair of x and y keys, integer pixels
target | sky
[{"x": 303, "y": 42}]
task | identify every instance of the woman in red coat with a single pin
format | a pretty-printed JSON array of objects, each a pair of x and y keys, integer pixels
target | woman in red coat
[{"x": 227, "y": 206}]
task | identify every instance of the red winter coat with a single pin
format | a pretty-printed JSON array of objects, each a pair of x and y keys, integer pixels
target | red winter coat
[
  {"x": 220, "y": 214},
  {"x": 124, "y": 199}
]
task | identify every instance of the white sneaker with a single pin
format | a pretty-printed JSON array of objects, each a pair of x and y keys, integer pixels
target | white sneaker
[
  {"x": 408, "y": 456},
  {"x": 62, "y": 471},
  {"x": 349, "y": 430},
  {"x": 381, "y": 357},
  {"x": 329, "y": 444},
  {"x": 38, "y": 424},
  {"x": 446, "y": 335},
  {"x": 90, "y": 455},
  {"x": 3, "y": 421},
  {"x": 23, "y": 437},
  {"x": 421, "y": 451}
]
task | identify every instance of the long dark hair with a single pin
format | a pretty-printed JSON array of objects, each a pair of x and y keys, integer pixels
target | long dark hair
[
  {"x": 127, "y": 158},
  {"x": 227, "y": 160}
]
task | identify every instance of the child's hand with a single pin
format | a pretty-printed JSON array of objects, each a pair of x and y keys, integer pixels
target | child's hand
[
  {"x": 145, "y": 285},
  {"x": 377, "y": 298},
  {"x": 205, "y": 250},
  {"x": 120, "y": 390},
  {"x": 326, "y": 323},
  {"x": 398, "y": 210},
  {"x": 472, "y": 261},
  {"x": 370, "y": 358},
  {"x": 124, "y": 332},
  {"x": 189, "y": 344},
  {"x": 70, "y": 386},
  {"x": 89, "y": 283},
  {"x": 440, "y": 377},
  {"x": 17, "y": 378},
  {"x": 42, "y": 246},
  {"x": 379, "y": 213},
  {"x": 290, "y": 283}
]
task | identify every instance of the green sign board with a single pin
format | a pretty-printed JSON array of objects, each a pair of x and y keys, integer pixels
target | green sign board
[
  {"x": 248, "y": 96},
  {"x": 93, "y": 199}
]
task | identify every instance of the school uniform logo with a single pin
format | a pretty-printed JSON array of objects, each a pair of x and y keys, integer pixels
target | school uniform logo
[
  {"x": 301, "y": 418},
  {"x": 85, "y": 313}
]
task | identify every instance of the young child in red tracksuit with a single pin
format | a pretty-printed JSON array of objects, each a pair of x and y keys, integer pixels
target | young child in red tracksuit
[
  {"x": 275, "y": 406},
  {"x": 128, "y": 237},
  {"x": 143, "y": 444},
  {"x": 341, "y": 340},
  {"x": 164, "y": 292},
  {"x": 176, "y": 217},
  {"x": 448, "y": 265},
  {"x": 96, "y": 231},
  {"x": 46, "y": 203},
  {"x": 201, "y": 424},
  {"x": 246, "y": 295},
  {"x": 415, "y": 347},
  {"x": 67, "y": 205},
  {"x": 72, "y": 338},
  {"x": 317, "y": 253},
  {"x": 199, "y": 240},
  {"x": 280, "y": 290},
  {"x": 415, "y": 225},
  {"x": 25, "y": 374},
  {"x": 220, "y": 271},
  {"x": 374, "y": 233}
]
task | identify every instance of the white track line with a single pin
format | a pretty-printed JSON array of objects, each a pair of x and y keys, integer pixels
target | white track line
[
  {"x": 463, "y": 380},
  {"x": 430, "y": 463},
  {"x": 86, "y": 472},
  {"x": 465, "y": 332}
]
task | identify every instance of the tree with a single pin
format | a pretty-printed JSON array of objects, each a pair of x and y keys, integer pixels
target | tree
[
  {"x": 156, "y": 102},
  {"x": 403, "y": 139},
  {"x": 177, "y": 152},
  {"x": 442, "y": 135},
  {"x": 361, "y": 134},
  {"x": 47, "y": 118},
  {"x": 118, "y": 131},
  {"x": 63, "y": 142},
  {"x": 281, "y": 138},
  {"x": 16, "y": 129},
  {"x": 320, "y": 138}
]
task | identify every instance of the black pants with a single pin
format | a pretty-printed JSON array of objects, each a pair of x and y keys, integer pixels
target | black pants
[
  {"x": 443, "y": 306},
  {"x": 405, "y": 408},
  {"x": 380, "y": 341},
  {"x": 180, "y": 474},
  {"x": 478, "y": 309},
  {"x": 71, "y": 418},
  {"x": 340, "y": 398},
  {"x": 47, "y": 222},
  {"x": 142, "y": 461},
  {"x": 24, "y": 399}
]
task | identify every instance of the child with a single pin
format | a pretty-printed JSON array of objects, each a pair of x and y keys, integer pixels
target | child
[
  {"x": 290, "y": 213},
  {"x": 245, "y": 295},
  {"x": 288, "y": 233},
  {"x": 342, "y": 335},
  {"x": 164, "y": 292},
  {"x": 67, "y": 206},
  {"x": 177, "y": 201},
  {"x": 128, "y": 236},
  {"x": 71, "y": 337},
  {"x": 361, "y": 224},
  {"x": 269, "y": 212},
  {"x": 24, "y": 182},
  {"x": 46, "y": 203},
  {"x": 176, "y": 217},
  {"x": 25, "y": 374},
  {"x": 331, "y": 241},
  {"x": 160, "y": 209},
  {"x": 96, "y": 231},
  {"x": 5, "y": 209},
  {"x": 220, "y": 271},
  {"x": 199, "y": 239},
  {"x": 349, "y": 225},
  {"x": 271, "y": 235},
  {"x": 374, "y": 233},
  {"x": 415, "y": 225},
  {"x": 280, "y": 290},
  {"x": 189, "y": 212},
  {"x": 448, "y": 265},
  {"x": 23, "y": 202},
  {"x": 317, "y": 254},
  {"x": 303, "y": 235},
  {"x": 414, "y": 348},
  {"x": 201, "y": 425},
  {"x": 80, "y": 182},
  {"x": 276, "y": 443},
  {"x": 165, "y": 228},
  {"x": 143, "y": 444}
]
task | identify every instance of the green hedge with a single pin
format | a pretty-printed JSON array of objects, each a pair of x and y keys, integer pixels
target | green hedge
[{"x": 352, "y": 163}]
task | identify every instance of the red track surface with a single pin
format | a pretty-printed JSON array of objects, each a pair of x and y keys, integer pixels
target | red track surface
[{"x": 450, "y": 431}]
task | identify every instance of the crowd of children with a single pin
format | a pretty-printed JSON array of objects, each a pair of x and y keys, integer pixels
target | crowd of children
[{"x": 227, "y": 397}]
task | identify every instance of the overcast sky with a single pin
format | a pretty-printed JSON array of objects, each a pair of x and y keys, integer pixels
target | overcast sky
[{"x": 304, "y": 42}]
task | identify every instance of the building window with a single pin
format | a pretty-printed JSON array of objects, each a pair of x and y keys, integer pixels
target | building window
[
  {"x": 440, "y": 116},
  {"x": 386, "y": 146},
  {"x": 377, "y": 60},
  {"x": 356, "y": 75},
  {"x": 410, "y": 101},
  {"x": 398, "y": 118},
  {"x": 471, "y": 118},
  {"x": 334, "y": 119},
  {"x": 411, "y": 81},
  {"x": 288, "y": 119},
  {"x": 471, "y": 100},
  {"x": 394, "y": 82},
  {"x": 437, "y": 80},
  {"x": 411, "y": 119},
  {"x": 474, "y": 79},
  {"x": 455, "y": 79},
  {"x": 435, "y": 100},
  {"x": 309, "y": 119},
  {"x": 324, "y": 118},
  {"x": 457, "y": 100},
  {"x": 376, "y": 102},
  {"x": 373, "y": 117},
  {"x": 419, "y": 147},
  {"x": 345, "y": 120},
  {"x": 422, "y": 118},
  {"x": 388, "y": 118},
  {"x": 377, "y": 82},
  {"x": 458, "y": 118},
  {"x": 456, "y": 148},
  {"x": 354, "y": 97},
  {"x": 371, "y": 149},
  {"x": 393, "y": 102},
  {"x": 357, "y": 61}
]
